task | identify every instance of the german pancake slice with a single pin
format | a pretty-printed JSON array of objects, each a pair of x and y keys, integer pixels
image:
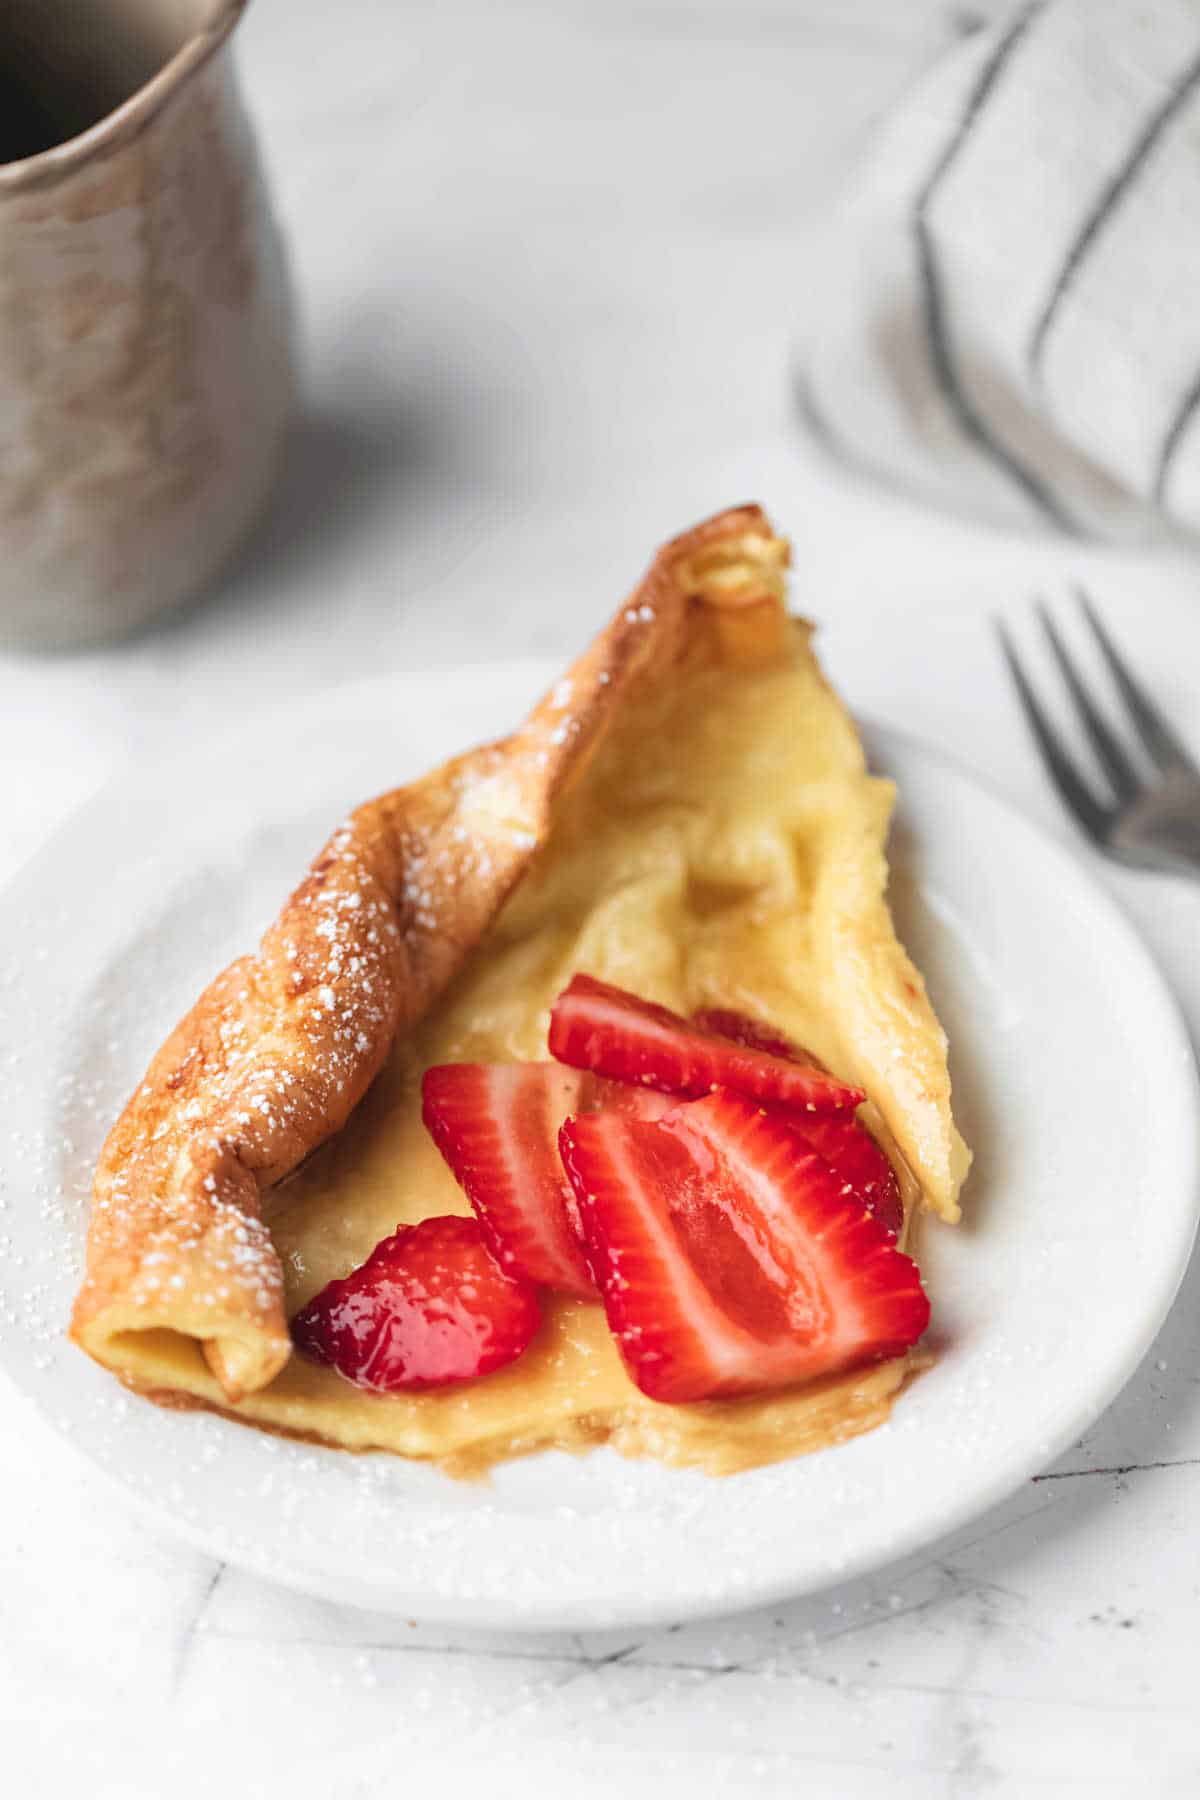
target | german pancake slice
[{"x": 686, "y": 816}]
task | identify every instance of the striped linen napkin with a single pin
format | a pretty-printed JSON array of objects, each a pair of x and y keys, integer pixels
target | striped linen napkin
[{"x": 1007, "y": 315}]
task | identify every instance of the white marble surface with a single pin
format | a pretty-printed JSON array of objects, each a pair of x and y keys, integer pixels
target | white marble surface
[{"x": 550, "y": 256}]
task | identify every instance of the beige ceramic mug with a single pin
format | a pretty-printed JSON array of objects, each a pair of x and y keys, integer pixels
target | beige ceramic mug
[{"x": 145, "y": 325}]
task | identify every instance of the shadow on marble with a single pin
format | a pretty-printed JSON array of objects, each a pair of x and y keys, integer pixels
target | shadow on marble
[{"x": 341, "y": 466}]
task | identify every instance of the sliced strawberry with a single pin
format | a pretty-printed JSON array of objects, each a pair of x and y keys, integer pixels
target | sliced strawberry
[
  {"x": 595, "y": 1026},
  {"x": 728, "y": 1263},
  {"x": 497, "y": 1124},
  {"x": 845, "y": 1143},
  {"x": 599, "y": 1095},
  {"x": 752, "y": 1034},
  {"x": 429, "y": 1306},
  {"x": 857, "y": 1161}
]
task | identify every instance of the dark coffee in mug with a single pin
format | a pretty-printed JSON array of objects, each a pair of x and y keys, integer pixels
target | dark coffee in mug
[
  {"x": 30, "y": 122},
  {"x": 66, "y": 64}
]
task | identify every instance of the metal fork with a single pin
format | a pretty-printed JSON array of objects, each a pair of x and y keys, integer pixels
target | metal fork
[{"x": 1150, "y": 817}]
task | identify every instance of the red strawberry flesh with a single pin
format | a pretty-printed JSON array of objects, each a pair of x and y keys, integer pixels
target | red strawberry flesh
[
  {"x": 729, "y": 1264},
  {"x": 429, "y": 1307},
  {"x": 844, "y": 1142},
  {"x": 857, "y": 1161},
  {"x": 497, "y": 1124},
  {"x": 599, "y": 1027},
  {"x": 752, "y": 1034}
]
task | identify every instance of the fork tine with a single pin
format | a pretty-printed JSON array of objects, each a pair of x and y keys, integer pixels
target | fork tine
[
  {"x": 1156, "y": 734},
  {"x": 1117, "y": 766},
  {"x": 1075, "y": 793}
]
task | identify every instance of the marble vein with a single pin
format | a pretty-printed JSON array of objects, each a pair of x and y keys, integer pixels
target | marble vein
[
  {"x": 1133, "y": 1468},
  {"x": 192, "y": 1626}
]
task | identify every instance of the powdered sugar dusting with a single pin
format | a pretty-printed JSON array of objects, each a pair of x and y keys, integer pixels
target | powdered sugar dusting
[{"x": 555, "y": 1540}]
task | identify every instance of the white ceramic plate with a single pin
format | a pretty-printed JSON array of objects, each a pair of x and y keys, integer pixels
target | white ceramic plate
[{"x": 1074, "y": 1081}]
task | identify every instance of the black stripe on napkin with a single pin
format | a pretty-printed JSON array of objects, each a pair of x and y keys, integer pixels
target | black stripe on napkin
[
  {"x": 941, "y": 357},
  {"x": 1107, "y": 204},
  {"x": 1184, "y": 413}
]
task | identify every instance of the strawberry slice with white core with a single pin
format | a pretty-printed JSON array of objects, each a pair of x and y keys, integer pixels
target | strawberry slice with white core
[
  {"x": 857, "y": 1161},
  {"x": 728, "y": 1263},
  {"x": 844, "y": 1142},
  {"x": 603, "y": 1028},
  {"x": 497, "y": 1124}
]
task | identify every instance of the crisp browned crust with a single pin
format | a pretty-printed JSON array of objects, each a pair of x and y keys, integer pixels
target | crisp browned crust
[{"x": 278, "y": 1051}]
